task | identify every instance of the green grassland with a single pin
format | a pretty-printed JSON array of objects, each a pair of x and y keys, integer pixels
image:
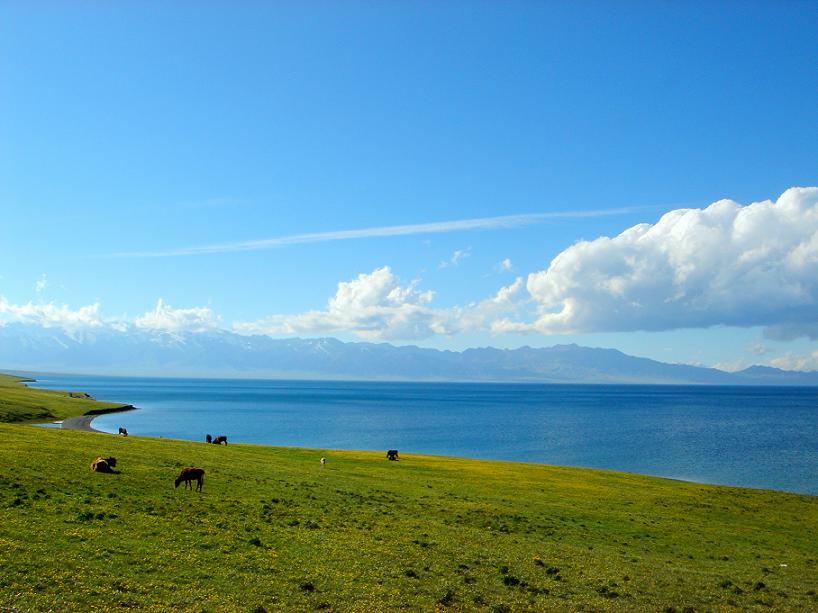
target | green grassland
[
  {"x": 19, "y": 403},
  {"x": 273, "y": 530}
]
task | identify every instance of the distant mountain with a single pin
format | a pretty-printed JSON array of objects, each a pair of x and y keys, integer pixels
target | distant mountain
[
  {"x": 766, "y": 375},
  {"x": 222, "y": 353}
]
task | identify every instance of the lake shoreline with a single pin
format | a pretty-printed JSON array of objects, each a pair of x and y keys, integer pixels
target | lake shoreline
[
  {"x": 725, "y": 436},
  {"x": 85, "y": 422},
  {"x": 81, "y": 422}
]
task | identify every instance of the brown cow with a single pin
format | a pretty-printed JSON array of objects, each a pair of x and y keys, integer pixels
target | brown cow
[
  {"x": 191, "y": 474},
  {"x": 103, "y": 465}
]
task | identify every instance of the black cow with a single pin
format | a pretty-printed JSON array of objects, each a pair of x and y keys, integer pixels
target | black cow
[{"x": 392, "y": 454}]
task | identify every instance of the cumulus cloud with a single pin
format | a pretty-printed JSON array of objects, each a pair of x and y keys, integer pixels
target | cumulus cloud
[
  {"x": 376, "y": 306},
  {"x": 727, "y": 264},
  {"x": 373, "y": 306},
  {"x": 41, "y": 283},
  {"x": 164, "y": 317},
  {"x": 480, "y": 315},
  {"x": 51, "y": 315}
]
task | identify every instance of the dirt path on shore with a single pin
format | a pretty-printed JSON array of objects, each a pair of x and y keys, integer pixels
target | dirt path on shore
[{"x": 81, "y": 422}]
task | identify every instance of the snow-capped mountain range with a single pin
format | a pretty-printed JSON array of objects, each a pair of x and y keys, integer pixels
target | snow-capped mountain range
[{"x": 29, "y": 348}]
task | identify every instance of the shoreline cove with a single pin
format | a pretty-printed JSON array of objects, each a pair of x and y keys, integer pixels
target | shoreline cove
[
  {"x": 81, "y": 422},
  {"x": 85, "y": 422}
]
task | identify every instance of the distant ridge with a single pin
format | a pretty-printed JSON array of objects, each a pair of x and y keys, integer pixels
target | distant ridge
[{"x": 222, "y": 353}]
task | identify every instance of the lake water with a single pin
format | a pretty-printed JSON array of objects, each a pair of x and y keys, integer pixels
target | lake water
[{"x": 750, "y": 436}]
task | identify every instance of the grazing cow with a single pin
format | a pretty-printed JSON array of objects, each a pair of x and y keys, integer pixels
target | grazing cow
[
  {"x": 191, "y": 474},
  {"x": 219, "y": 440},
  {"x": 123, "y": 431},
  {"x": 392, "y": 454},
  {"x": 323, "y": 462},
  {"x": 208, "y": 439},
  {"x": 103, "y": 465}
]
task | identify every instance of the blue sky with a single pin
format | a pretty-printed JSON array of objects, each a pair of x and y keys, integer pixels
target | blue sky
[{"x": 133, "y": 132}]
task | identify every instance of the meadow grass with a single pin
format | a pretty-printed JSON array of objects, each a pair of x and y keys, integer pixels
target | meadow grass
[
  {"x": 274, "y": 531},
  {"x": 19, "y": 403}
]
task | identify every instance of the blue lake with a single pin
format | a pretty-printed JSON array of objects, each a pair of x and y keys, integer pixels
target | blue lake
[{"x": 749, "y": 436}]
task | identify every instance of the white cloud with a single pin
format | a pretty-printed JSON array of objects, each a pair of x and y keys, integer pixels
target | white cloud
[
  {"x": 807, "y": 361},
  {"x": 51, "y": 315},
  {"x": 376, "y": 306},
  {"x": 457, "y": 256},
  {"x": 458, "y": 225},
  {"x": 373, "y": 306},
  {"x": 732, "y": 366},
  {"x": 726, "y": 264},
  {"x": 165, "y": 317},
  {"x": 480, "y": 315},
  {"x": 41, "y": 283},
  {"x": 504, "y": 265}
]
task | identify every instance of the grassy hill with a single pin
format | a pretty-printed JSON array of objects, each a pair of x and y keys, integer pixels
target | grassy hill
[
  {"x": 274, "y": 531},
  {"x": 19, "y": 403}
]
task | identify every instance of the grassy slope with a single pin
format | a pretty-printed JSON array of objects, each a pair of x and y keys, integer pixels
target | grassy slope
[
  {"x": 19, "y": 403},
  {"x": 273, "y": 529}
]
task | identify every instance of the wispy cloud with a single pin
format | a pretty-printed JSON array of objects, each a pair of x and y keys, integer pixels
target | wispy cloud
[
  {"x": 457, "y": 257},
  {"x": 460, "y": 225},
  {"x": 503, "y": 266}
]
